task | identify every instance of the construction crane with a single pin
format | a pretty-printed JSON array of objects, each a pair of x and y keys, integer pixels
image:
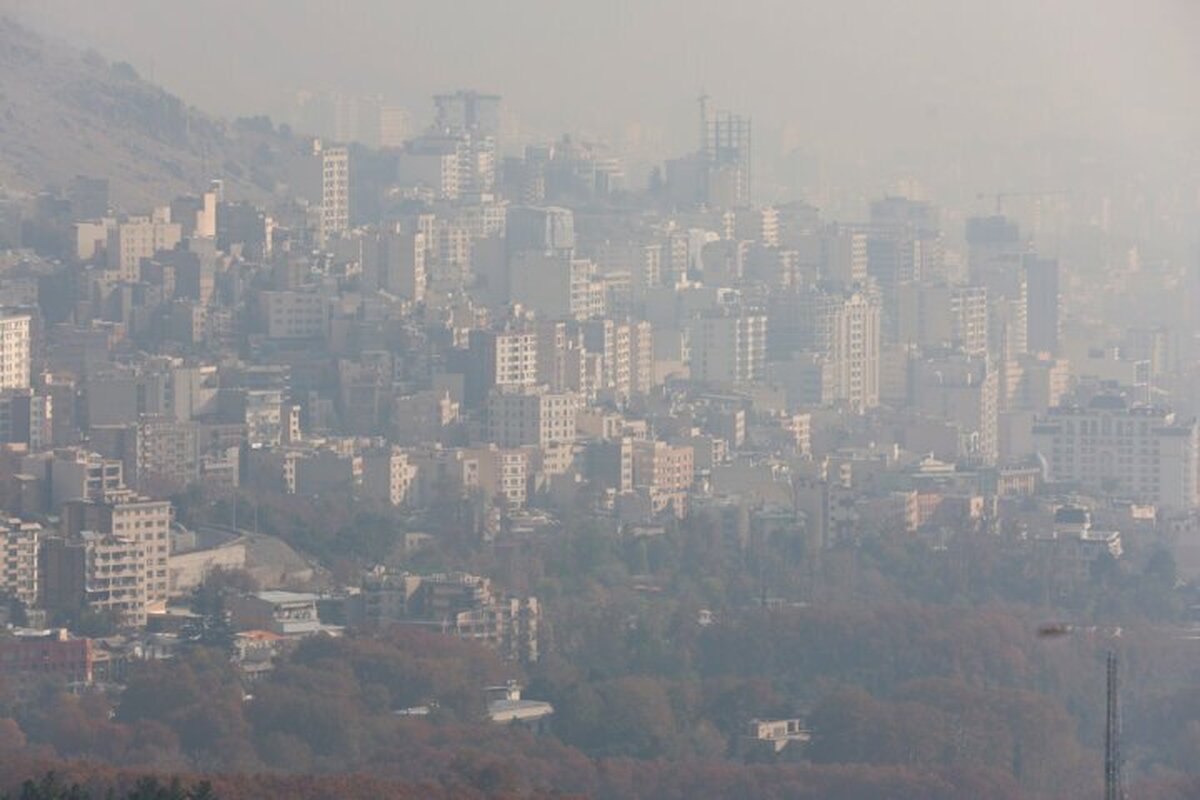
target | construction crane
[{"x": 1000, "y": 197}]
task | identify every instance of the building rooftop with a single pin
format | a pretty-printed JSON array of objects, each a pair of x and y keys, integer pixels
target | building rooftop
[
  {"x": 279, "y": 596},
  {"x": 502, "y": 711}
]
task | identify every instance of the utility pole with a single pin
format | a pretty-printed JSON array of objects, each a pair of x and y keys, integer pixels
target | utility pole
[{"x": 1113, "y": 784}]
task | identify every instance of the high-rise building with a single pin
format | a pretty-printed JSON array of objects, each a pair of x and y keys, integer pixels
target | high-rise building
[
  {"x": 665, "y": 472},
  {"x": 625, "y": 354},
  {"x": 393, "y": 126},
  {"x": 1137, "y": 452},
  {"x": 843, "y": 255},
  {"x": 27, "y": 417},
  {"x": 540, "y": 228},
  {"x": 431, "y": 164},
  {"x": 19, "y": 541},
  {"x": 918, "y": 223},
  {"x": 962, "y": 390},
  {"x": 505, "y": 359},
  {"x": 387, "y": 476},
  {"x": 335, "y": 192},
  {"x": 103, "y": 572},
  {"x": 995, "y": 255},
  {"x": 641, "y": 357},
  {"x": 294, "y": 315},
  {"x": 725, "y": 156},
  {"x": 136, "y": 521},
  {"x": 1041, "y": 276},
  {"x": 840, "y": 336},
  {"x": 969, "y": 311},
  {"x": 555, "y": 345},
  {"x": 855, "y": 351},
  {"x": 554, "y": 285},
  {"x": 168, "y": 454},
  {"x": 467, "y": 110},
  {"x": 140, "y": 237},
  {"x": 395, "y": 262},
  {"x": 729, "y": 347},
  {"x": 16, "y": 350},
  {"x": 531, "y": 416},
  {"x": 938, "y": 315}
]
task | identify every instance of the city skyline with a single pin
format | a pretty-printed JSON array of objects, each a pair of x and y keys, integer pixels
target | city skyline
[{"x": 709, "y": 400}]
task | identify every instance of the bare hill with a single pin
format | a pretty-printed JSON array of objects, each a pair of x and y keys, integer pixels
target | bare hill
[{"x": 64, "y": 113}]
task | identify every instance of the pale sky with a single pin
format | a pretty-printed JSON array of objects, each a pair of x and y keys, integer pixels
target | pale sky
[{"x": 855, "y": 73}]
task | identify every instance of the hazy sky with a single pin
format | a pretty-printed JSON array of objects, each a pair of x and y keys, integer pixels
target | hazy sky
[{"x": 869, "y": 74}]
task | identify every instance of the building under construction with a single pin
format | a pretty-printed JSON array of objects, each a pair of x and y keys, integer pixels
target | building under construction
[{"x": 725, "y": 150}]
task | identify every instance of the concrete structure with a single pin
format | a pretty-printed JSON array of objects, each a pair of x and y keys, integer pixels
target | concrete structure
[
  {"x": 501, "y": 474},
  {"x": 468, "y": 606},
  {"x": 395, "y": 263},
  {"x": 856, "y": 341},
  {"x": 665, "y": 472},
  {"x": 844, "y": 255},
  {"x": 168, "y": 454},
  {"x": 19, "y": 543},
  {"x": 292, "y": 614},
  {"x": 729, "y": 347},
  {"x": 531, "y": 416},
  {"x": 16, "y": 351},
  {"x": 1068, "y": 550},
  {"x": 128, "y": 522},
  {"x": 34, "y": 655},
  {"x": 506, "y": 707},
  {"x": 335, "y": 192},
  {"x": 388, "y": 476},
  {"x": 431, "y": 166},
  {"x": 137, "y": 238},
  {"x": 555, "y": 286},
  {"x": 964, "y": 391},
  {"x": 1138, "y": 452},
  {"x": 540, "y": 230},
  {"x": 73, "y": 473},
  {"x": 1042, "y": 278},
  {"x": 101, "y": 572},
  {"x": 995, "y": 254},
  {"x": 773, "y": 735},
  {"x": 27, "y": 417},
  {"x": 189, "y": 568},
  {"x": 505, "y": 360},
  {"x": 294, "y": 315}
]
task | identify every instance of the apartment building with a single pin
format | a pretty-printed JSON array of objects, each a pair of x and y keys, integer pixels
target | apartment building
[
  {"x": 1110, "y": 446},
  {"x": 100, "y": 572},
  {"x": 16, "y": 351},
  {"x": 531, "y": 416},
  {"x": 335, "y": 192},
  {"x": 137, "y": 238},
  {"x": 729, "y": 347},
  {"x": 505, "y": 359},
  {"x": 294, "y": 315},
  {"x": 142, "y": 523},
  {"x": 19, "y": 542}
]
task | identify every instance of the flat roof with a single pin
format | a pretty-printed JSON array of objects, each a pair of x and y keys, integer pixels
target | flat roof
[{"x": 282, "y": 596}]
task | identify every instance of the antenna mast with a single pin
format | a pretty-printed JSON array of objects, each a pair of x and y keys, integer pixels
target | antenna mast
[{"x": 1113, "y": 784}]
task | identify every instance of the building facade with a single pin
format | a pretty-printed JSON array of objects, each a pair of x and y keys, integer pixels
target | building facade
[{"x": 1139, "y": 452}]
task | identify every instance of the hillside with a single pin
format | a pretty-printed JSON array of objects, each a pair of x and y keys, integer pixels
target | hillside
[{"x": 64, "y": 112}]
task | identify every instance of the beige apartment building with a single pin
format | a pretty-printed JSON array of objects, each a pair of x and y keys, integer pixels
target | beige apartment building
[
  {"x": 16, "y": 345},
  {"x": 19, "y": 541},
  {"x": 145, "y": 523}
]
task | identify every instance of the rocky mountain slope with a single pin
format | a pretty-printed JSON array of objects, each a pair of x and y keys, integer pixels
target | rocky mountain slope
[{"x": 64, "y": 113}]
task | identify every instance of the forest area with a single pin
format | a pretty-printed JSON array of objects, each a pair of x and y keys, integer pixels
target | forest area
[{"x": 918, "y": 671}]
